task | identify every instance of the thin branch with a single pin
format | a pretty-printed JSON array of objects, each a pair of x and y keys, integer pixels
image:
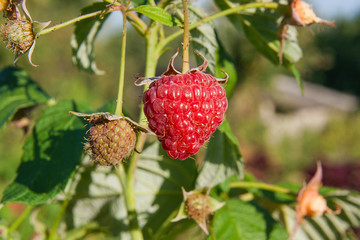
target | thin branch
[
  {"x": 260, "y": 185},
  {"x": 119, "y": 100}
]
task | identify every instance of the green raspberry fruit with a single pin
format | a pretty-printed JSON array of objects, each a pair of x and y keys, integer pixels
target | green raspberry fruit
[
  {"x": 111, "y": 142},
  {"x": 18, "y": 35}
]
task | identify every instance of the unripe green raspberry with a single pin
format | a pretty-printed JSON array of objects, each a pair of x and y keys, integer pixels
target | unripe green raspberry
[
  {"x": 18, "y": 35},
  {"x": 111, "y": 142}
]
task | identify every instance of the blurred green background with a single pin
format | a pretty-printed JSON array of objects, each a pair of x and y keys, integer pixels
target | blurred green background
[{"x": 282, "y": 134}]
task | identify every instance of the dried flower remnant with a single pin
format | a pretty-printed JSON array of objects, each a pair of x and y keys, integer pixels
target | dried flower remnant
[
  {"x": 18, "y": 35},
  {"x": 199, "y": 206},
  {"x": 20, "y": 32},
  {"x": 310, "y": 202},
  {"x": 301, "y": 15}
]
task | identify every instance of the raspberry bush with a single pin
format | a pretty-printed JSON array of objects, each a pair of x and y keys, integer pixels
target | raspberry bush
[{"x": 111, "y": 176}]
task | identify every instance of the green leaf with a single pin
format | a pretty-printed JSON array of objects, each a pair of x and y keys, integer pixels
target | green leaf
[
  {"x": 51, "y": 154},
  {"x": 158, "y": 15},
  {"x": 261, "y": 29},
  {"x": 17, "y": 90},
  {"x": 222, "y": 160},
  {"x": 297, "y": 77},
  {"x": 158, "y": 182},
  {"x": 225, "y": 63},
  {"x": 162, "y": 178},
  {"x": 83, "y": 38},
  {"x": 203, "y": 38},
  {"x": 238, "y": 220}
]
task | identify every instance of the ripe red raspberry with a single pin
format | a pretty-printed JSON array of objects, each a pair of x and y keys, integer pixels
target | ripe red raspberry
[{"x": 184, "y": 109}]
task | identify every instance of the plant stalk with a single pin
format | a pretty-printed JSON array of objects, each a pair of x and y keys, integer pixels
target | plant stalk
[
  {"x": 54, "y": 227},
  {"x": 127, "y": 179},
  {"x": 71, "y": 21},
  {"x": 129, "y": 198},
  {"x": 21, "y": 218},
  {"x": 120, "y": 96},
  {"x": 186, "y": 41},
  {"x": 261, "y": 185}
]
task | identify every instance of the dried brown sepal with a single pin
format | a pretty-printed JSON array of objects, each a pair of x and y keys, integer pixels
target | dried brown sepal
[
  {"x": 12, "y": 11},
  {"x": 172, "y": 71},
  {"x": 105, "y": 116}
]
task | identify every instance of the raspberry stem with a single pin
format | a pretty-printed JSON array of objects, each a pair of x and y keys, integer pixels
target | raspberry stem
[
  {"x": 119, "y": 101},
  {"x": 264, "y": 186},
  {"x": 186, "y": 41}
]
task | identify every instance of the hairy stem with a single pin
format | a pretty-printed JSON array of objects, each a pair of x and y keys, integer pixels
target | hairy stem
[
  {"x": 127, "y": 184},
  {"x": 136, "y": 22},
  {"x": 186, "y": 41},
  {"x": 261, "y": 185},
  {"x": 269, "y": 5},
  {"x": 127, "y": 179},
  {"x": 54, "y": 227},
  {"x": 119, "y": 101},
  {"x": 74, "y": 20}
]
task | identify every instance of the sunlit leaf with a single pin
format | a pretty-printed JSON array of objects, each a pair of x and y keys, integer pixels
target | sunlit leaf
[
  {"x": 82, "y": 41},
  {"x": 203, "y": 38},
  {"x": 17, "y": 90},
  {"x": 158, "y": 15},
  {"x": 223, "y": 159},
  {"x": 225, "y": 63},
  {"x": 51, "y": 154},
  {"x": 158, "y": 182},
  {"x": 239, "y": 220},
  {"x": 297, "y": 77}
]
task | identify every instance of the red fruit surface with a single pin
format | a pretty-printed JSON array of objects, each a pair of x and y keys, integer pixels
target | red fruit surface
[{"x": 184, "y": 110}]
